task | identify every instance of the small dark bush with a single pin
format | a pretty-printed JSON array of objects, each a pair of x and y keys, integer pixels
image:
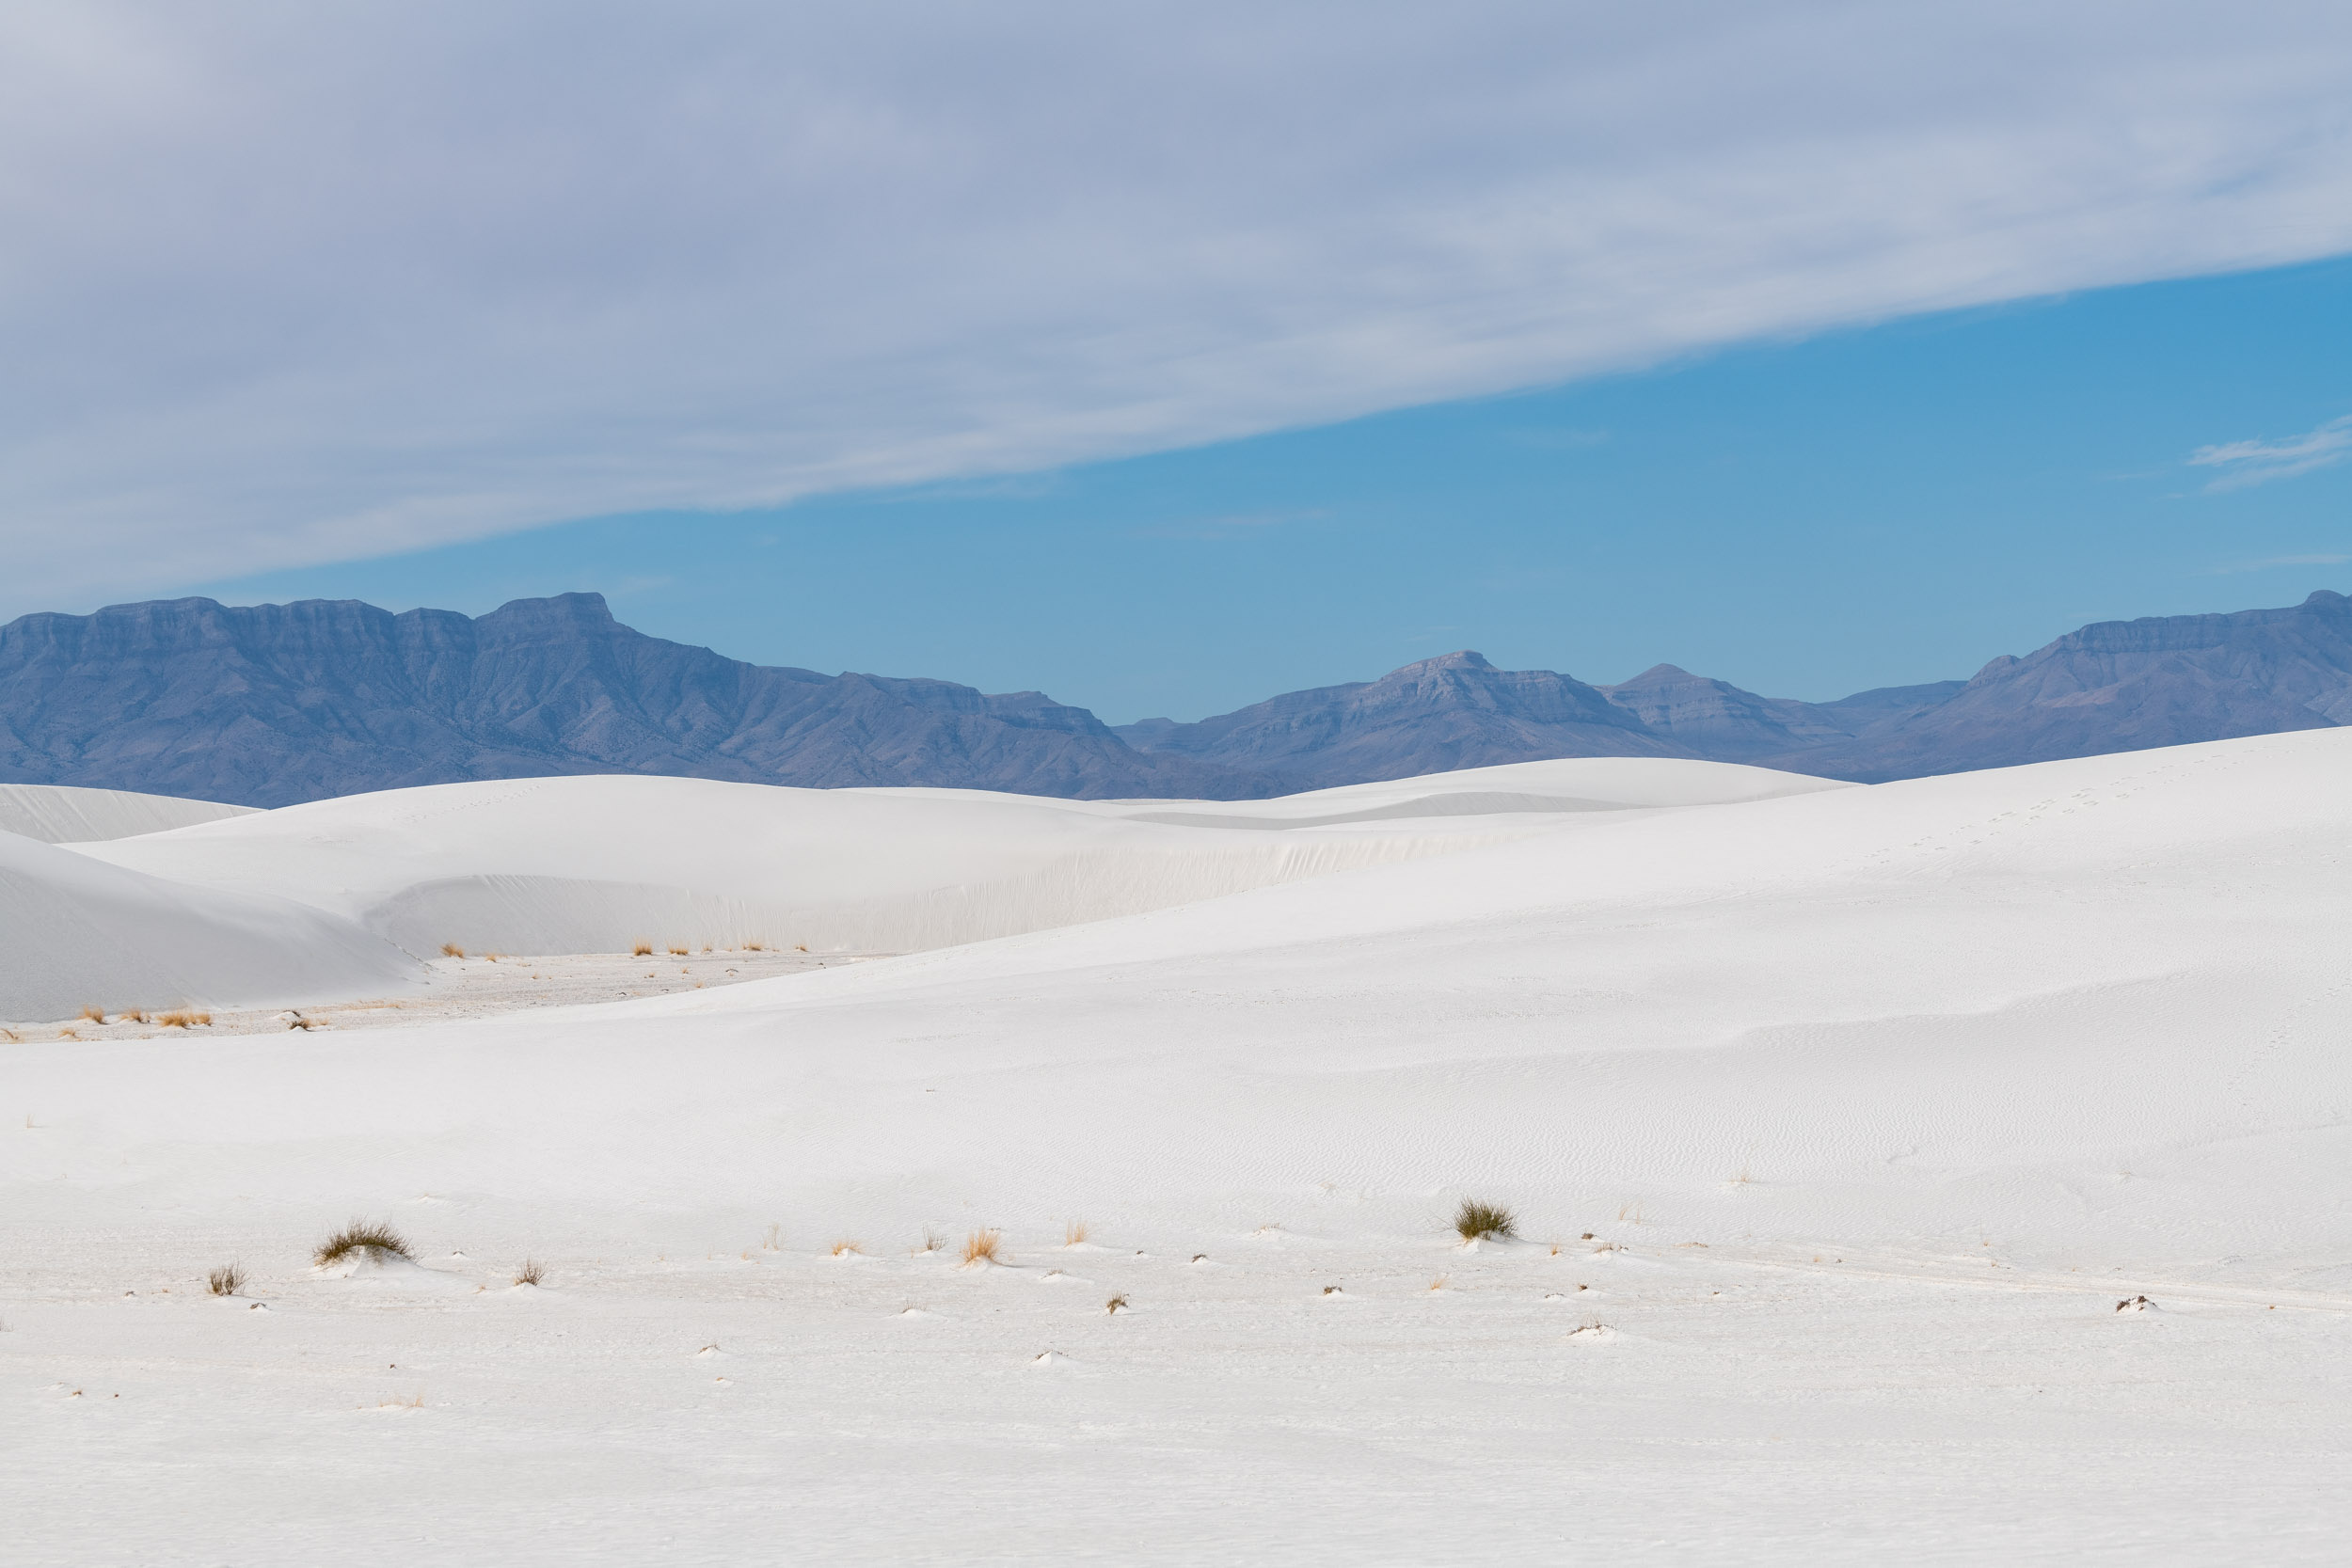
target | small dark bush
[
  {"x": 1475, "y": 1219},
  {"x": 226, "y": 1280},
  {"x": 367, "y": 1236}
]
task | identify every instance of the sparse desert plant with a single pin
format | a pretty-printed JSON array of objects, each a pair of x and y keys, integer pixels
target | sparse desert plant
[
  {"x": 801, "y": 947},
  {"x": 776, "y": 1238},
  {"x": 643, "y": 950},
  {"x": 676, "y": 952},
  {"x": 532, "y": 1272},
  {"x": 493, "y": 957},
  {"x": 132, "y": 1015},
  {"x": 1439, "y": 1283},
  {"x": 185, "y": 1018},
  {"x": 226, "y": 1280},
  {"x": 370, "y": 1237},
  {"x": 1074, "y": 1233},
  {"x": 69, "y": 1033},
  {"x": 451, "y": 950},
  {"x": 1115, "y": 1304},
  {"x": 298, "y": 1022},
  {"x": 981, "y": 1246},
  {"x": 753, "y": 947},
  {"x": 932, "y": 1241},
  {"x": 842, "y": 1250},
  {"x": 96, "y": 1015},
  {"x": 1475, "y": 1219}
]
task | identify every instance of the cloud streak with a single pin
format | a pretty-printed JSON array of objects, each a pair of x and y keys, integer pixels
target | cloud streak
[
  {"x": 289, "y": 284},
  {"x": 2247, "y": 462}
]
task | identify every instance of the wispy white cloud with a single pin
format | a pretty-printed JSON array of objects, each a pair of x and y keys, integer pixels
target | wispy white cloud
[
  {"x": 285, "y": 284},
  {"x": 2245, "y": 463}
]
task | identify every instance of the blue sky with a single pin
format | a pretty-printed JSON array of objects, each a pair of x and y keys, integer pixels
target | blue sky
[{"x": 1865, "y": 507}]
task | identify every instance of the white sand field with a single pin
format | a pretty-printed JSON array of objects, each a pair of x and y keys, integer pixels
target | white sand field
[{"x": 1837, "y": 1121}]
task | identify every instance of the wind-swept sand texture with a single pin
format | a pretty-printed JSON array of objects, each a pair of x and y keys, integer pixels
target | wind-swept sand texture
[
  {"x": 60, "y": 813},
  {"x": 1838, "y": 1124}
]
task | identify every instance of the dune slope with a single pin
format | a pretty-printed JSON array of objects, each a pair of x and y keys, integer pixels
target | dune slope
[
  {"x": 593, "y": 864},
  {"x": 82, "y": 933}
]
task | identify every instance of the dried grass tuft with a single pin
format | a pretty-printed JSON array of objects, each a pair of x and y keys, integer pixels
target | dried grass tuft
[
  {"x": 842, "y": 1250},
  {"x": 1074, "y": 1233},
  {"x": 96, "y": 1015},
  {"x": 933, "y": 1242},
  {"x": 981, "y": 1246},
  {"x": 677, "y": 952},
  {"x": 1475, "y": 1219},
  {"x": 532, "y": 1272},
  {"x": 132, "y": 1015},
  {"x": 753, "y": 947},
  {"x": 1113, "y": 1304},
  {"x": 185, "y": 1018},
  {"x": 643, "y": 950},
  {"x": 451, "y": 950},
  {"x": 371, "y": 1237},
  {"x": 226, "y": 1280}
]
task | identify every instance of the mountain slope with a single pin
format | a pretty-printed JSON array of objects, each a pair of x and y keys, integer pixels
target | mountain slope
[
  {"x": 1436, "y": 716},
  {"x": 280, "y": 703},
  {"x": 2117, "y": 686}
]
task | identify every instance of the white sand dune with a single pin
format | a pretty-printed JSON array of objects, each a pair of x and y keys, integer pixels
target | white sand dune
[
  {"x": 1874, "y": 1102},
  {"x": 78, "y": 933},
  {"x": 60, "y": 814},
  {"x": 595, "y": 863}
]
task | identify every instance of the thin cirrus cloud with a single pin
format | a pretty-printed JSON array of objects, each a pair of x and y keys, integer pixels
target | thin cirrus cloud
[
  {"x": 289, "y": 284},
  {"x": 2245, "y": 463}
]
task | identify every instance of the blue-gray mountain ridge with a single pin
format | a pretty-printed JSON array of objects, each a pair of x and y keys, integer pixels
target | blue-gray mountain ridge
[{"x": 277, "y": 704}]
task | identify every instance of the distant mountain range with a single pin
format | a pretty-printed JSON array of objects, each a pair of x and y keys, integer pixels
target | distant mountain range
[{"x": 277, "y": 704}]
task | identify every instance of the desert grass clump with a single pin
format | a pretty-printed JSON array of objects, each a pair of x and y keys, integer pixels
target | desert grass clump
[
  {"x": 372, "y": 1238},
  {"x": 753, "y": 947},
  {"x": 1074, "y": 1233},
  {"x": 981, "y": 1246},
  {"x": 95, "y": 1014},
  {"x": 132, "y": 1015},
  {"x": 1474, "y": 1220},
  {"x": 1114, "y": 1305},
  {"x": 451, "y": 950},
  {"x": 532, "y": 1272},
  {"x": 226, "y": 1280},
  {"x": 676, "y": 952},
  {"x": 185, "y": 1018},
  {"x": 844, "y": 1249},
  {"x": 642, "y": 950},
  {"x": 933, "y": 1242}
]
